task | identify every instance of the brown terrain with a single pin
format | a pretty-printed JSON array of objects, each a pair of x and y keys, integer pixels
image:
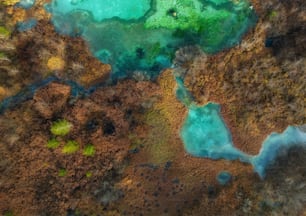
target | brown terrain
[{"x": 140, "y": 166}]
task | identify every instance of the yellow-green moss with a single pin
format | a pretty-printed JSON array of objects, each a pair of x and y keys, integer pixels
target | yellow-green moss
[
  {"x": 4, "y": 32},
  {"x": 8, "y": 213},
  {"x": 273, "y": 14},
  {"x": 61, "y": 127},
  {"x": 53, "y": 143},
  {"x": 89, "y": 150},
  {"x": 88, "y": 174},
  {"x": 2, "y": 55},
  {"x": 62, "y": 172},
  {"x": 71, "y": 147}
]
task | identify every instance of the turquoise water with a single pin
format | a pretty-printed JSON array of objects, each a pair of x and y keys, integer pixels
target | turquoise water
[
  {"x": 26, "y": 4},
  {"x": 143, "y": 35},
  {"x": 278, "y": 144},
  {"x": 102, "y": 10},
  {"x": 204, "y": 134},
  {"x": 224, "y": 177}
]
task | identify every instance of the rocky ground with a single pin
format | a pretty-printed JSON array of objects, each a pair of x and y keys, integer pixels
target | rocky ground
[{"x": 139, "y": 166}]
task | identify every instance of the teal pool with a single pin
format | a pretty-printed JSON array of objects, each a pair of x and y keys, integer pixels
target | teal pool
[
  {"x": 205, "y": 134},
  {"x": 143, "y": 35}
]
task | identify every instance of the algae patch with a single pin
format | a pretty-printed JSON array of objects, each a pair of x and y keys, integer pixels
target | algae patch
[{"x": 61, "y": 127}]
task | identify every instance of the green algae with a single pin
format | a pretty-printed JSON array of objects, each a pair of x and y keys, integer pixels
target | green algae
[
  {"x": 173, "y": 14},
  {"x": 62, "y": 172},
  {"x": 53, "y": 143},
  {"x": 71, "y": 147},
  {"x": 273, "y": 14},
  {"x": 4, "y": 32},
  {"x": 2, "y": 55},
  {"x": 9, "y": 213},
  {"x": 88, "y": 174},
  {"x": 61, "y": 127},
  {"x": 89, "y": 150}
]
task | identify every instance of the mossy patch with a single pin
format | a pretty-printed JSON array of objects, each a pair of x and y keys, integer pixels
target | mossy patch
[
  {"x": 88, "y": 174},
  {"x": 8, "y": 213},
  {"x": 4, "y": 32},
  {"x": 71, "y": 147},
  {"x": 62, "y": 172},
  {"x": 2, "y": 55},
  {"x": 273, "y": 14},
  {"x": 89, "y": 150},
  {"x": 61, "y": 127},
  {"x": 53, "y": 143}
]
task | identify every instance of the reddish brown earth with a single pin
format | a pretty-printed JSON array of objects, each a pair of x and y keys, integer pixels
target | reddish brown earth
[
  {"x": 30, "y": 184},
  {"x": 124, "y": 123},
  {"x": 140, "y": 166}
]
